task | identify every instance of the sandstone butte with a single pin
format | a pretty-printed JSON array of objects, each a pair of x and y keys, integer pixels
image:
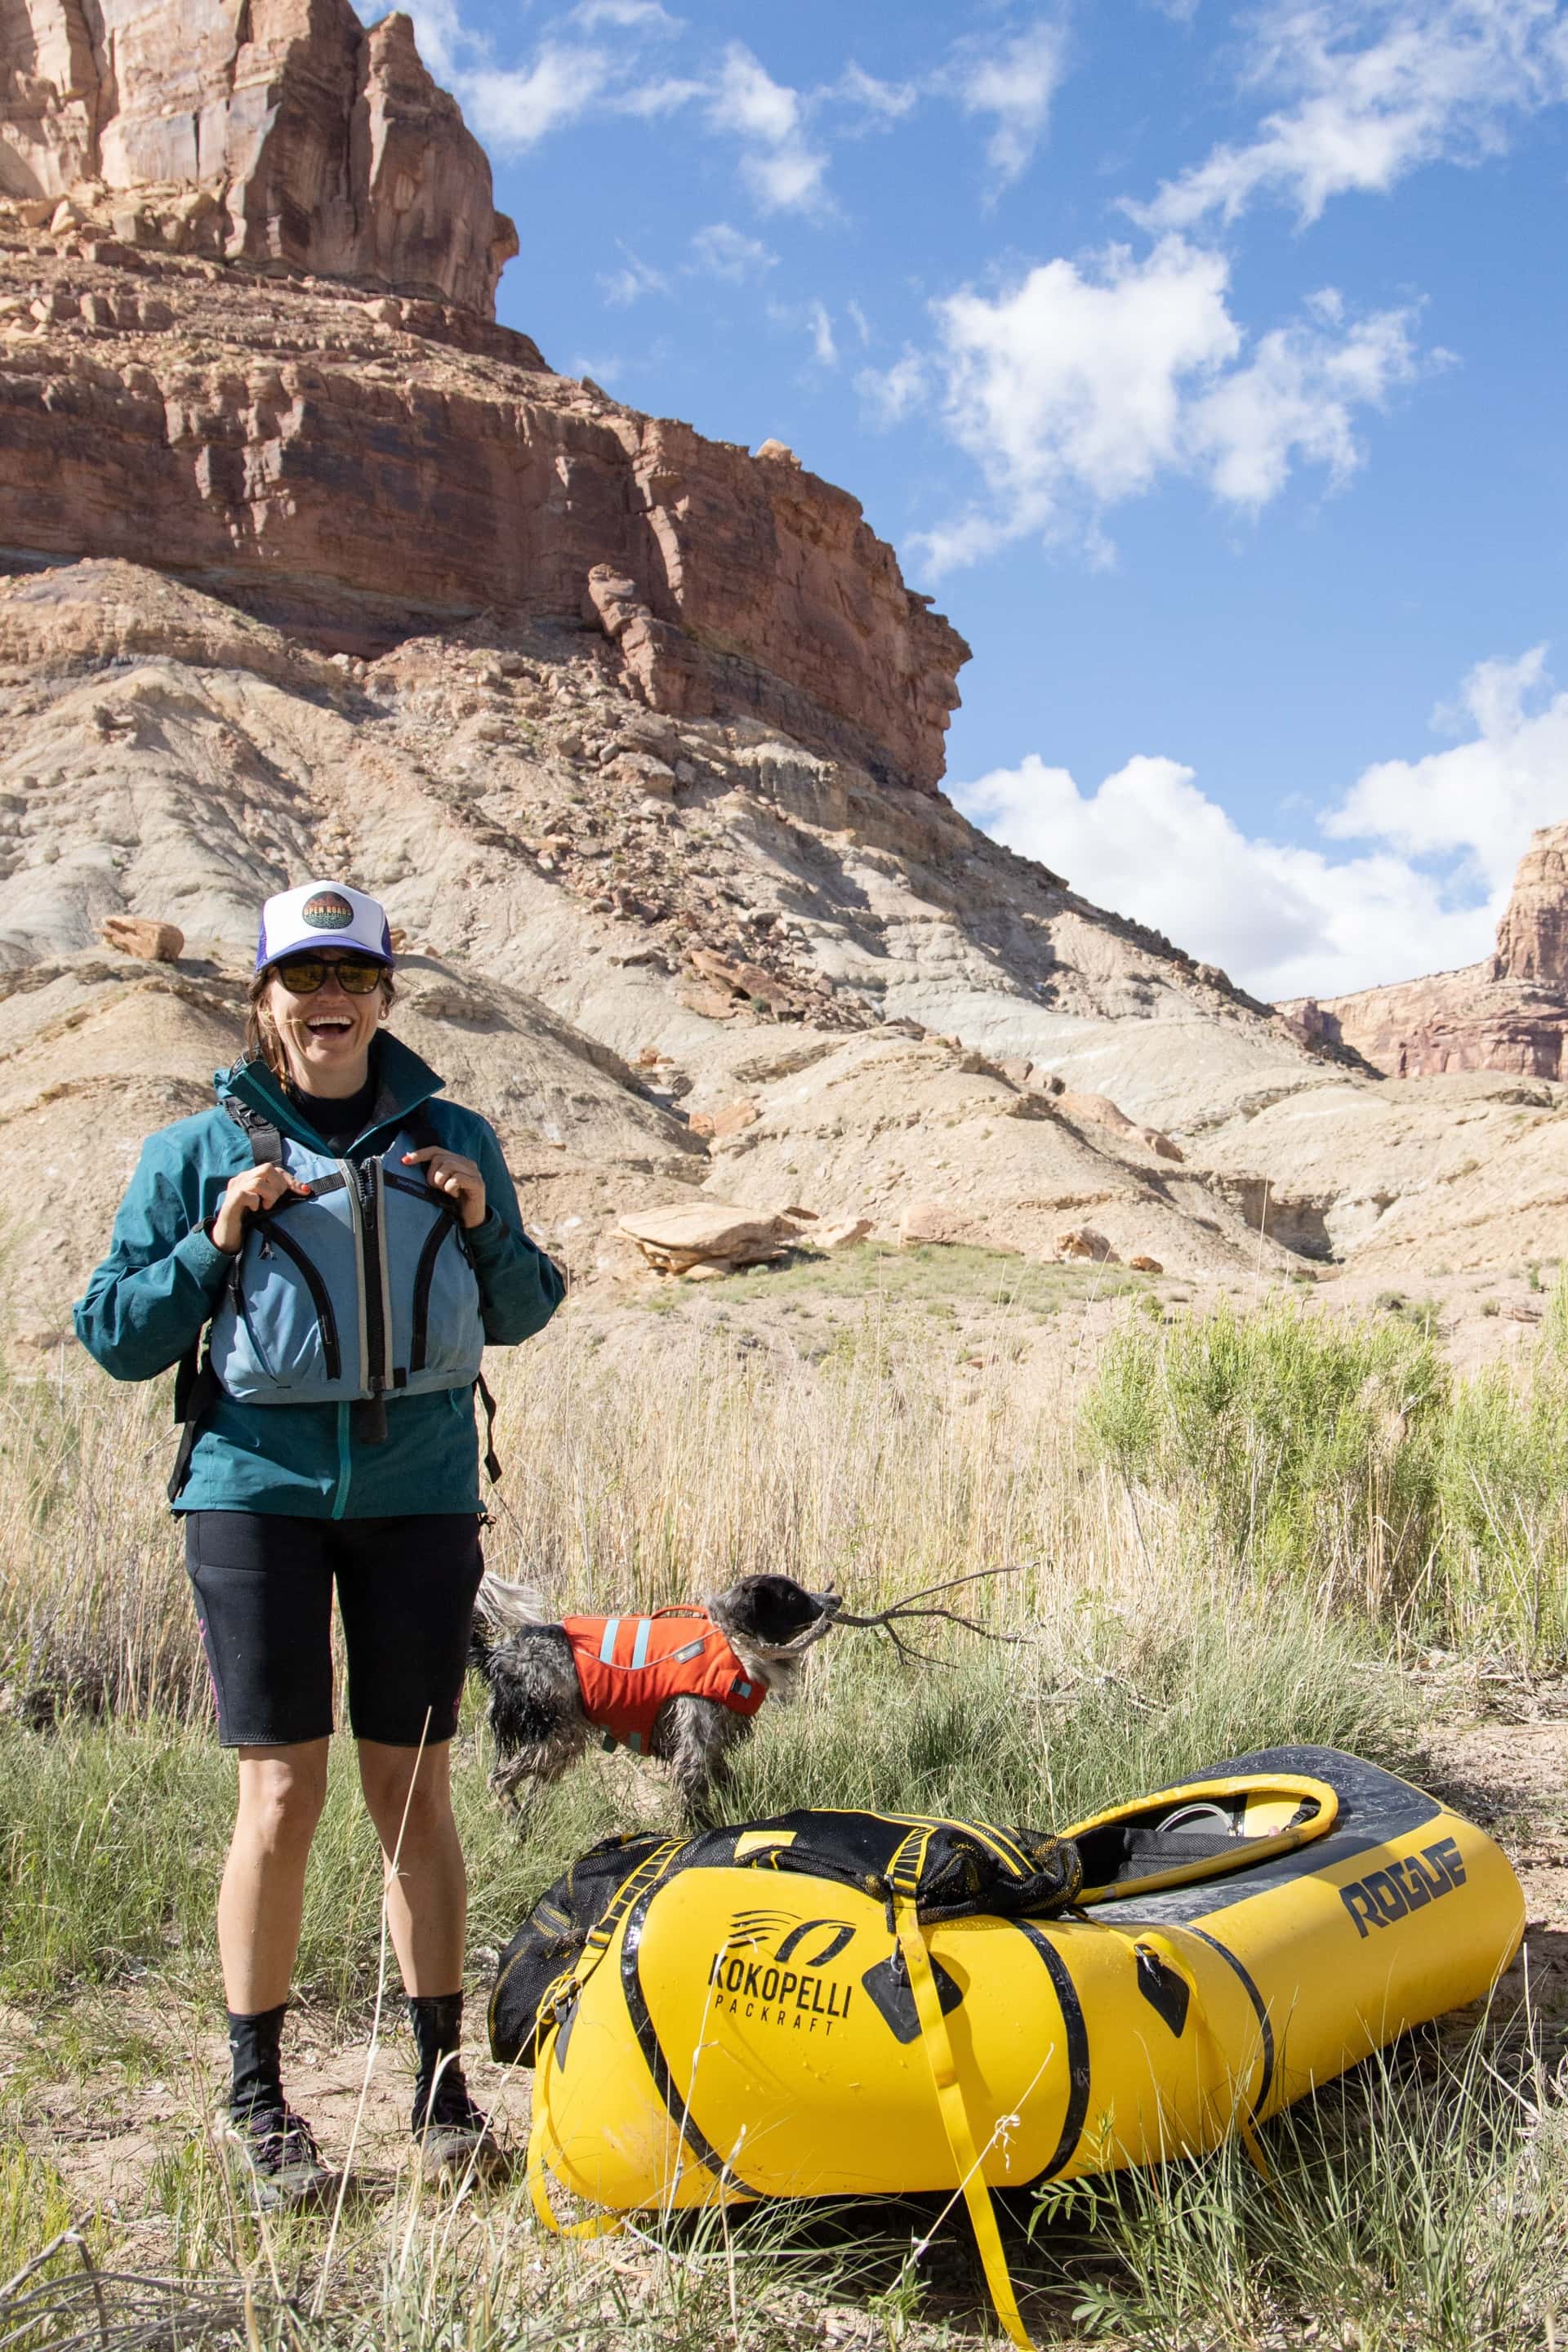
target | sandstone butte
[
  {"x": 402, "y": 454},
  {"x": 1508, "y": 1012},
  {"x": 307, "y": 565}
]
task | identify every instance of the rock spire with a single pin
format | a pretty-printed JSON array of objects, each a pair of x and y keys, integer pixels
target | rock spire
[{"x": 305, "y": 141}]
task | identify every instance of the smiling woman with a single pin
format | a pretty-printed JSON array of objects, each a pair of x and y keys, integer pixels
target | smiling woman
[{"x": 350, "y": 1243}]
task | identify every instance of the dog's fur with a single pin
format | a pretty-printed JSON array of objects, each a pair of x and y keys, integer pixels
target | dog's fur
[{"x": 536, "y": 1703}]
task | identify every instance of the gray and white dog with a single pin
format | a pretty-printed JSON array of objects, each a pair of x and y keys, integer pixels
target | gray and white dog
[{"x": 683, "y": 1687}]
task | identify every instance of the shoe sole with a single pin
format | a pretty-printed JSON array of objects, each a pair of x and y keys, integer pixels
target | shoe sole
[
  {"x": 271, "y": 2192},
  {"x": 447, "y": 2157}
]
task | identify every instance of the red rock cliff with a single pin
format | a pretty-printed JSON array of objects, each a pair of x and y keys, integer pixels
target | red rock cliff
[
  {"x": 319, "y": 145},
  {"x": 1533, "y": 937},
  {"x": 1510, "y": 1013},
  {"x": 355, "y": 467}
]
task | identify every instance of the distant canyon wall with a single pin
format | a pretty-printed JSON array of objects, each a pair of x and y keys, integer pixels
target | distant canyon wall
[
  {"x": 1509, "y": 1012},
  {"x": 327, "y": 145}
]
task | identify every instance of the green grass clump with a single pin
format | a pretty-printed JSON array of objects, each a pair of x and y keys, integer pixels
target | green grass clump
[
  {"x": 1074, "y": 1718},
  {"x": 955, "y": 1274},
  {"x": 34, "y": 2208},
  {"x": 1310, "y": 1443},
  {"x": 1418, "y": 2204},
  {"x": 1344, "y": 1454}
]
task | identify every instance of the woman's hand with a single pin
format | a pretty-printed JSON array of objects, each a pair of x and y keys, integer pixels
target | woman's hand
[
  {"x": 256, "y": 1189},
  {"x": 459, "y": 1178}
]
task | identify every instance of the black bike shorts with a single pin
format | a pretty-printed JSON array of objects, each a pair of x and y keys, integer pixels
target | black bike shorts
[{"x": 263, "y": 1598}]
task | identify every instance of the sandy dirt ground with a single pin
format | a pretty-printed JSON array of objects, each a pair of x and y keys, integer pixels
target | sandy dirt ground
[{"x": 120, "y": 2120}]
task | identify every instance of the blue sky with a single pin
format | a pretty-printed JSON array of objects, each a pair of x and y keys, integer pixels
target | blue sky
[{"x": 1206, "y": 363}]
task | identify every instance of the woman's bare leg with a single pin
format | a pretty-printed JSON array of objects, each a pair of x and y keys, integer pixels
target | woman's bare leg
[
  {"x": 408, "y": 1793},
  {"x": 281, "y": 1793}
]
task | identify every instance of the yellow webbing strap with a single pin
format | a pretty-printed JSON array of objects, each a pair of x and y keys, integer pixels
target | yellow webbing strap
[
  {"x": 956, "y": 2120},
  {"x": 1163, "y": 1949},
  {"x": 600, "y": 2225}
]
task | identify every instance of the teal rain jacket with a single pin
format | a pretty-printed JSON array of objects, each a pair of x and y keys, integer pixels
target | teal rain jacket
[{"x": 153, "y": 1295}]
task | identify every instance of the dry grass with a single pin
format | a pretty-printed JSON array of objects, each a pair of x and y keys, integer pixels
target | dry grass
[{"x": 1145, "y": 1647}]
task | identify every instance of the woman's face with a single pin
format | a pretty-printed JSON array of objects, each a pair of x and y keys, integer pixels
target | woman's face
[{"x": 326, "y": 1035}]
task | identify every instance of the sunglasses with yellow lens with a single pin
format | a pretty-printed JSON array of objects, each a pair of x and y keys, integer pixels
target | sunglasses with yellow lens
[{"x": 303, "y": 975}]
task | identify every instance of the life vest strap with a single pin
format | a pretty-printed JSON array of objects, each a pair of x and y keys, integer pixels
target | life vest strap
[{"x": 956, "y": 2120}]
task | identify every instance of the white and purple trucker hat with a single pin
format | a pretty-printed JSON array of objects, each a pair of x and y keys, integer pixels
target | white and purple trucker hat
[{"x": 322, "y": 914}]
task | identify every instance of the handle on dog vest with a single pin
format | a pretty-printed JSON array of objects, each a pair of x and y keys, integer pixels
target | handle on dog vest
[{"x": 956, "y": 2120}]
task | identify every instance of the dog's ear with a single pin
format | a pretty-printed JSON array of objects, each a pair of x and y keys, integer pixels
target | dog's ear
[{"x": 507, "y": 1608}]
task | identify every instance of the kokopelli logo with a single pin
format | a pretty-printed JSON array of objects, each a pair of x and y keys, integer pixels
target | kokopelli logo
[{"x": 772, "y": 1968}]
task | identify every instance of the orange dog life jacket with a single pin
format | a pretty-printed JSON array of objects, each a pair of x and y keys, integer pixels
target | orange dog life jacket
[{"x": 629, "y": 1666}]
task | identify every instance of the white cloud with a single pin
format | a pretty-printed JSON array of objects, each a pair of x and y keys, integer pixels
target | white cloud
[
  {"x": 720, "y": 251},
  {"x": 627, "y": 16},
  {"x": 1441, "y": 837},
  {"x": 1014, "y": 84},
  {"x": 824, "y": 350},
  {"x": 635, "y": 278},
  {"x": 1297, "y": 397},
  {"x": 780, "y": 166},
  {"x": 892, "y": 394},
  {"x": 883, "y": 101},
  {"x": 512, "y": 107},
  {"x": 663, "y": 95},
  {"x": 1437, "y": 79},
  {"x": 1478, "y": 801},
  {"x": 1078, "y": 386},
  {"x": 515, "y": 109}
]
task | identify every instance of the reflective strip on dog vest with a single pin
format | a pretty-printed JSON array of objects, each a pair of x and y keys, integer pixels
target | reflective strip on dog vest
[{"x": 628, "y": 1667}]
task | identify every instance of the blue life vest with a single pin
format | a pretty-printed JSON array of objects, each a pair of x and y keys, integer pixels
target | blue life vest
[{"x": 362, "y": 1290}]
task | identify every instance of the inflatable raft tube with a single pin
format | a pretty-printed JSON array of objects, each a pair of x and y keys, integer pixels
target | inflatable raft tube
[{"x": 834, "y": 2003}]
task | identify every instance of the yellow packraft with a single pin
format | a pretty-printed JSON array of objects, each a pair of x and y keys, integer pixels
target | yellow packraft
[{"x": 838, "y": 2002}]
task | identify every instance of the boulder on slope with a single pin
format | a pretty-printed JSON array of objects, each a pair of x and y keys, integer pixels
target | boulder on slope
[{"x": 692, "y": 1233}]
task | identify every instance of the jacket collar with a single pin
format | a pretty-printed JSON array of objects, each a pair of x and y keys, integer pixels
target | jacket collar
[{"x": 406, "y": 1083}]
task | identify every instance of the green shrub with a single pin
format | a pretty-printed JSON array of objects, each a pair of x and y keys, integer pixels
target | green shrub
[
  {"x": 1343, "y": 1454},
  {"x": 1307, "y": 1444}
]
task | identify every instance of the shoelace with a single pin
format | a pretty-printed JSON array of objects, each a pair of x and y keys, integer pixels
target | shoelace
[{"x": 278, "y": 2138}]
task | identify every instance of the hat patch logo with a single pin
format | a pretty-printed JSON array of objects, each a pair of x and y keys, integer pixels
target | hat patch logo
[{"x": 327, "y": 911}]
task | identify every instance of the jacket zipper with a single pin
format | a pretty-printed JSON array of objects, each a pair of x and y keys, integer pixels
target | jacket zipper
[{"x": 356, "y": 1219}]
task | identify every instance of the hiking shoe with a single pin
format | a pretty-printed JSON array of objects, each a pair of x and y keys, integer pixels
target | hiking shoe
[
  {"x": 272, "y": 2158},
  {"x": 455, "y": 2138}
]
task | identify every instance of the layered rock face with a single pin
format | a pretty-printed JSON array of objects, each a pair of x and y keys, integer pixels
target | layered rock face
[
  {"x": 1508, "y": 1013},
  {"x": 361, "y": 464},
  {"x": 305, "y": 141},
  {"x": 1533, "y": 937}
]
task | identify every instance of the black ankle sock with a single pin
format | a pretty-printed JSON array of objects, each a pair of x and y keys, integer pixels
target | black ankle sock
[
  {"x": 437, "y": 2023},
  {"x": 256, "y": 2082}
]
